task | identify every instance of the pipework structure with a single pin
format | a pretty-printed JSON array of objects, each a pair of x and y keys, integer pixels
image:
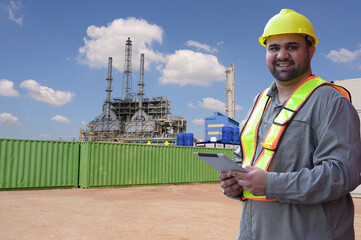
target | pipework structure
[{"x": 133, "y": 118}]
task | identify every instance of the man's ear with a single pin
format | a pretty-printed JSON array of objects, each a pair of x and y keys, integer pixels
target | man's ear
[{"x": 311, "y": 50}]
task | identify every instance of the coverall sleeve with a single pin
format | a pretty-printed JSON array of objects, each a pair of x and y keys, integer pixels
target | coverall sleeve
[{"x": 336, "y": 161}]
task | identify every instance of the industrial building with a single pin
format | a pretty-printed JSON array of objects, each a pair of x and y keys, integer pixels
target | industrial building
[
  {"x": 215, "y": 124},
  {"x": 133, "y": 118}
]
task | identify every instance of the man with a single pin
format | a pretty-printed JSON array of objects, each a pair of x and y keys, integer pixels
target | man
[{"x": 300, "y": 146}]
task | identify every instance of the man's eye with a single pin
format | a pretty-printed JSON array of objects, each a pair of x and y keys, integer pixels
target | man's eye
[
  {"x": 292, "y": 48},
  {"x": 274, "y": 49}
]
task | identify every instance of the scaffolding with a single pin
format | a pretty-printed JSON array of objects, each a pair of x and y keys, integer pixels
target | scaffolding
[{"x": 124, "y": 124}]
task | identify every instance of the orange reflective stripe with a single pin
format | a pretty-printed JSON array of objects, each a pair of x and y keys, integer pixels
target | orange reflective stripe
[
  {"x": 259, "y": 198},
  {"x": 274, "y": 134},
  {"x": 263, "y": 160},
  {"x": 343, "y": 91}
]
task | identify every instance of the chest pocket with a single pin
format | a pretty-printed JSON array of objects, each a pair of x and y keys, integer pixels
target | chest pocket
[{"x": 296, "y": 147}]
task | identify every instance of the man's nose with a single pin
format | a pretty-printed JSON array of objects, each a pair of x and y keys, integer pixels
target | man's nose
[{"x": 283, "y": 54}]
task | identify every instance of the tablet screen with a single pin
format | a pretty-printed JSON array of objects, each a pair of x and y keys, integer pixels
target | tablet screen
[{"x": 220, "y": 162}]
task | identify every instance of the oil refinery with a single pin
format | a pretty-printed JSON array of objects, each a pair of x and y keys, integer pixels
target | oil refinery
[{"x": 132, "y": 118}]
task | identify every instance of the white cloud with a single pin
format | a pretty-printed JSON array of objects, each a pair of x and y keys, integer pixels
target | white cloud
[
  {"x": 238, "y": 107},
  {"x": 201, "y": 46},
  {"x": 46, "y": 94},
  {"x": 188, "y": 67},
  {"x": 7, "y": 119},
  {"x": 212, "y": 104},
  {"x": 198, "y": 122},
  {"x": 191, "y": 105},
  {"x": 220, "y": 43},
  {"x": 109, "y": 41},
  {"x": 215, "y": 105},
  {"x": 12, "y": 8},
  {"x": 7, "y": 88},
  {"x": 182, "y": 68},
  {"x": 83, "y": 123},
  {"x": 343, "y": 55},
  {"x": 60, "y": 119}
]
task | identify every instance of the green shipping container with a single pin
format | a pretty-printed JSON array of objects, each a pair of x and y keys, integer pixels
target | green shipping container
[
  {"x": 38, "y": 164},
  {"x": 52, "y": 164},
  {"x": 114, "y": 164}
]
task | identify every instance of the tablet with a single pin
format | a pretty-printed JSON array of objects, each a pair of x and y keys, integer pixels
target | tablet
[{"x": 220, "y": 162}]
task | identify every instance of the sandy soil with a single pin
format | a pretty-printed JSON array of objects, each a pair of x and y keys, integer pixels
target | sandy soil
[{"x": 196, "y": 211}]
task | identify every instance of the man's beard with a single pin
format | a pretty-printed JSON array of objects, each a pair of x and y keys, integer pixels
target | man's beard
[{"x": 286, "y": 76}]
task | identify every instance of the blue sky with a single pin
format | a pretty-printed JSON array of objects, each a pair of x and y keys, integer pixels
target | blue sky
[{"x": 54, "y": 56}]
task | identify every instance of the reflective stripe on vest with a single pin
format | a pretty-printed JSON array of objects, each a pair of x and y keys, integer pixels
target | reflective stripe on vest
[{"x": 250, "y": 131}]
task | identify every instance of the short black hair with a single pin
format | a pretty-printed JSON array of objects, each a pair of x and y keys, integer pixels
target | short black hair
[{"x": 309, "y": 41}]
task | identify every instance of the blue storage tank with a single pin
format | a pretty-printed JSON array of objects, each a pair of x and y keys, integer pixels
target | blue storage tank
[
  {"x": 180, "y": 139},
  {"x": 188, "y": 139},
  {"x": 236, "y": 135},
  {"x": 227, "y": 134}
]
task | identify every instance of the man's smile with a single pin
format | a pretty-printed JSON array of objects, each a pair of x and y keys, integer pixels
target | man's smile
[{"x": 283, "y": 65}]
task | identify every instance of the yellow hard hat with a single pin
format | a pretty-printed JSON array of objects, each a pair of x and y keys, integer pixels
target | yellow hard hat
[{"x": 288, "y": 21}]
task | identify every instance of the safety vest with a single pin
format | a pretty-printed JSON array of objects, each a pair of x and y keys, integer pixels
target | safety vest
[{"x": 248, "y": 137}]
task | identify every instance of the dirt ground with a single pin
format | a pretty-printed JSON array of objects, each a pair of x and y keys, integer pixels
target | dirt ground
[{"x": 196, "y": 211}]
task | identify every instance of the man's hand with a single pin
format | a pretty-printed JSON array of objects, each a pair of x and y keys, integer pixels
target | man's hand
[
  {"x": 230, "y": 185},
  {"x": 254, "y": 180}
]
